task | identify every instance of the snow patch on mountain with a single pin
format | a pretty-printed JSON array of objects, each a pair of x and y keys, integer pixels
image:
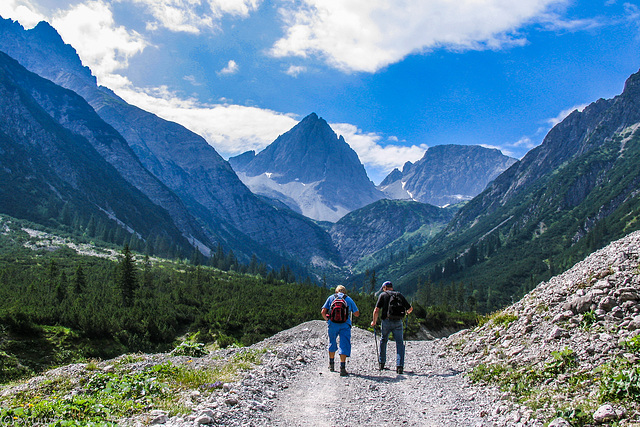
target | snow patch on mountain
[{"x": 300, "y": 197}]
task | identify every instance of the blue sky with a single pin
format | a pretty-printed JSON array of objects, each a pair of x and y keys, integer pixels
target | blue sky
[{"x": 393, "y": 77}]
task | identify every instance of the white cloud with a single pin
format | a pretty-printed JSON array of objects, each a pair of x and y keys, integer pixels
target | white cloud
[
  {"x": 101, "y": 44},
  {"x": 231, "y": 68},
  {"x": 563, "y": 114},
  {"x": 230, "y": 129},
  {"x": 366, "y": 35},
  {"x": 192, "y": 79},
  {"x": 22, "y": 11},
  {"x": 193, "y": 16},
  {"x": 296, "y": 70},
  {"x": 379, "y": 160}
]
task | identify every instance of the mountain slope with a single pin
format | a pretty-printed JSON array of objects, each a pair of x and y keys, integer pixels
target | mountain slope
[
  {"x": 569, "y": 345},
  {"x": 182, "y": 160},
  {"x": 390, "y": 225},
  {"x": 446, "y": 174},
  {"x": 310, "y": 169},
  {"x": 48, "y": 168},
  {"x": 564, "y": 199}
]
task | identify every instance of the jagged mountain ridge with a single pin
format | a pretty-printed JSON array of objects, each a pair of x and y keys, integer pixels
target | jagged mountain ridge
[
  {"x": 571, "y": 195},
  {"x": 310, "y": 169},
  {"x": 182, "y": 160},
  {"x": 446, "y": 174},
  {"x": 50, "y": 139}
]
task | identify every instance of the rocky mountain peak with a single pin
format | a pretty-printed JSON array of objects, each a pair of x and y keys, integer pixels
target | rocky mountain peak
[
  {"x": 27, "y": 46},
  {"x": 632, "y": 85},
  {"x": 446, "y": 174},
  {"x": 309, "y": 152},
  {"x": 310, "y": 169}
]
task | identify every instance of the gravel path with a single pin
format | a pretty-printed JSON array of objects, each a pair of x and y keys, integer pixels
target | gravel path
[{"x": 431, "y": 392}]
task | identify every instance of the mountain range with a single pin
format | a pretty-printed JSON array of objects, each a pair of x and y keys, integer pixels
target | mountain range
[
  {"x": 446, "y": 174},
  {"x": 571, "y": 195},
  {"x": 308, "y": 172},
  {"x": 54, "y": 158},
  {"x": 77, "y": 157},
  {"x": 223, "y": 207}
]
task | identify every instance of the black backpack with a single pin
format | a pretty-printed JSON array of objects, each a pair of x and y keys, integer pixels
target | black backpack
[
  {"x": 396, "y": 309},
  {"x": 339, "y": 310}
]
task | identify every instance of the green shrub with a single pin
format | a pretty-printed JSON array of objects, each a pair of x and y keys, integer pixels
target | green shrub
[
  {"x": 191, "y": 349},
  {"x": 619, "y": 380},
  {"x": 498, "y": 318},
  {"x": 632, "y": 344},
  {"x": 588, "y": 319},
  {"x": 562, "y": 361},
  {"x": 575, "y": 416},
  {"x": 10, "y": 368}
]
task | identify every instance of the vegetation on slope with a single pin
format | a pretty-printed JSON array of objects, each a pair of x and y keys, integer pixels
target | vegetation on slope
[{"x": 57, "y": 306}]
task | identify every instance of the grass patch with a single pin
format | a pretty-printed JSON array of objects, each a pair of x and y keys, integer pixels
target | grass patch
[
  {"x": 101, "y": 398},
  {"x": 498, "y": 318}
]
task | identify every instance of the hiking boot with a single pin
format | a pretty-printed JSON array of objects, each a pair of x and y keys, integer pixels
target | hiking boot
[
  {"x": 400, "y": 369},
  {"x": 343, "y": 372},
  {"x": 332, "y": 367},
  {"x": 381, "y": 366}
]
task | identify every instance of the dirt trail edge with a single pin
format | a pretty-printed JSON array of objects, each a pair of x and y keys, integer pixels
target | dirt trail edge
[{"x": 431, "y": 392}]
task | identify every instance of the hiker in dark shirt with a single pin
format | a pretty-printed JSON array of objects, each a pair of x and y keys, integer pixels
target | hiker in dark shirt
[
  {"x": 391, "y": 307},
  {"x": 339, "y": 327}
]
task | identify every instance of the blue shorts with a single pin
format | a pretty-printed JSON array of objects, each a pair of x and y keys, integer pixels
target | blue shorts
[{"x": 342, "y": 330}]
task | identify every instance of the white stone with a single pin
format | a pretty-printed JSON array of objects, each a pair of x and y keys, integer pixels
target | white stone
[
  {"x": 559, "y": 422},
  {"x": 605, "y": 413},
  {"x": 204, "y": 419}
]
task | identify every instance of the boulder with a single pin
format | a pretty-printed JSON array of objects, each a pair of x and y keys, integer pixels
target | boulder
[
  {"x": 559, "y": 422},
  {"x": 607, "y": 303},
  {"x": 605, "y": 413}
]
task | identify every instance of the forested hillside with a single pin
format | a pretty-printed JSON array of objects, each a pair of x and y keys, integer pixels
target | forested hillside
[{"x": 58, "y": 306}]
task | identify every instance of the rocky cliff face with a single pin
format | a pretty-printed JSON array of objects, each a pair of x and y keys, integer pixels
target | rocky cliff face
[
  {"x": 446, "y": 174},
  {"x": 182, "y": 160},
  {"x": 310, "y": 169},
  {"x": 565, "y": 340},
  {"x": 575, "y": 136},
  {"x": 57, "y": 150}
]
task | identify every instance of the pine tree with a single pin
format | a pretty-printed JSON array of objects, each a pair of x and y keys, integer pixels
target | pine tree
[
  {"x": 373, "y": 282},
  {"x": 128, "y": 277},
  {"x": 79, "y": 281}
]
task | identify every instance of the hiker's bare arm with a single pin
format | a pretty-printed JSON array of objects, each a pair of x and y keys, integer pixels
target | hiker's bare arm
[
  {"x": 356, "y": 313},
  {"x": 375, "y": 316},
  {"x": 410, "y": 310},
  {"x": 324, "y": 314}
]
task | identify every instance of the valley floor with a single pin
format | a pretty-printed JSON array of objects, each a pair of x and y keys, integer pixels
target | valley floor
[{"x": 431, "y": 392}]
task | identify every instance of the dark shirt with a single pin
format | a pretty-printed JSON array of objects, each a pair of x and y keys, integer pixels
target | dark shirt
[{"x": 383, "y": 303}]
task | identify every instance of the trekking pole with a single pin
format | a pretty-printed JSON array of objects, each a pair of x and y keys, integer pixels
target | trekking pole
[
  {"x": 375, "y": 336},
  {"x": 404, "y": 325}
]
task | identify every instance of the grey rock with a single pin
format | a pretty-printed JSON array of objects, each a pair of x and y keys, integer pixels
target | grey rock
[
  {"x": 158, "y": 417},
  {"x": 556, "y": 333},
  {"x": 559, "y": 422},
  {"x": 628, "y": 296},
  {"x": 605, "y": 413},
  {"x": 231, "y": 401},
  {"x": 204, "y": 419},
  {"x": 607, "y": 303},
  {"x": 582, "y": 304},
  {"x": 634, "y": 324}
]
